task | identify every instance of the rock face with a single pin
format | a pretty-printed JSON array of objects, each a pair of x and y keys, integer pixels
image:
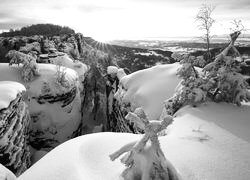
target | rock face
[
  {"x": 14, "y": 121},
  {"x": 94, "y": 102},
  {"x": 69, "y": 44},
  {"x": 54, "y": 103},
  {"x": 117, "y": 121}
]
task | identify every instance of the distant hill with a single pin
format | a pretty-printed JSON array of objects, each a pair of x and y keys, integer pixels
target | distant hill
[{"x": 39, "y": 29}]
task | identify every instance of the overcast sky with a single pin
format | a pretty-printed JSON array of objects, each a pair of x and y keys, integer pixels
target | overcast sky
[{"x": 123, "y": 19}]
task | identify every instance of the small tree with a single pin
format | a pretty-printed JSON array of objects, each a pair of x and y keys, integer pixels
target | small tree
[
  {"x": 230, "y": 85},
  {"x": 204, "y": 17},
  {"x": 29, "y": 66},
  {"x": 144, "y": 159},
  {"x": 192, "y": 89}
]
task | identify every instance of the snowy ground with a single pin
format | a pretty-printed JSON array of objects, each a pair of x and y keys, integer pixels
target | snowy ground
[{"x": 197, "y": 147}]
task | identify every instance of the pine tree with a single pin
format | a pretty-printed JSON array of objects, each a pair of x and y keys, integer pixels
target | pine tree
[
  {"x": 229, "y": 85},
  {"x": 192, "y": 89},
  {"x": 219, "y": 81}
]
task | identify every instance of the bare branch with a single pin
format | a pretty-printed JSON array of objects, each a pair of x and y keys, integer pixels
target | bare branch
[{"x": 205, "y": 22}]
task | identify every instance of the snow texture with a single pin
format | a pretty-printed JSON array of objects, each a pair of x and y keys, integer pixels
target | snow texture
[{"x": 148, "y": 88}]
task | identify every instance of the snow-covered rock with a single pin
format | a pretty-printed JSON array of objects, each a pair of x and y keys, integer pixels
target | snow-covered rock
[
  {"x": 112, "y": 70},
  {"x": 8, "y": 92},
  {"x": 54, "y": 103},
  {"x": 148, "y": 88},
  {"x": 14, "y": 120},
  {"x": 66, "y": 61},
  {"x": 6, "y": 174}
]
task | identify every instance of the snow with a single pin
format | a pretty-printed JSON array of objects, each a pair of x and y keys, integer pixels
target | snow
[
  {"x": 6, "y": 174},
  {"x": 47, "y": 71},
  {"x": 112, "y": 70},
  {"x": 150, "y": 53},
  {"x": 228, "y": 116},
  {"x": 66, "y": 61},
  {"x": 198, "y": 148},
  {"x": 8, "y": 92},
  {"x": 148, "y": 88},
  {"x": 211, "y": 151},
  {"x": 120, "y": 73}
]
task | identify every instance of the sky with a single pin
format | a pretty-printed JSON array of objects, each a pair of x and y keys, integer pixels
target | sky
[{"x": 124, "y": 19}]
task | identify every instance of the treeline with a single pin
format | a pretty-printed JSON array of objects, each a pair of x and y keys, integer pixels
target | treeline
[{"x": 39, "y": 29}]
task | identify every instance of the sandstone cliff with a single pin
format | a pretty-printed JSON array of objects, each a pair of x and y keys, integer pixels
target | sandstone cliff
[{"x": 14, "y": 121}]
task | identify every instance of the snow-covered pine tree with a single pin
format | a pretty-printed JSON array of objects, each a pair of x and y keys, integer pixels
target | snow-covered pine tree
[
  {"x": 229, "y": 85},
  {"x": 220, "y": 80},
  {"x": 192, "y": 89}
]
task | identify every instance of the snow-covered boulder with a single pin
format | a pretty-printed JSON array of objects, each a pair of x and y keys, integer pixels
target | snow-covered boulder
[
  {"x": 54, "y": 103},
  {"x": 14, "y": 120}
]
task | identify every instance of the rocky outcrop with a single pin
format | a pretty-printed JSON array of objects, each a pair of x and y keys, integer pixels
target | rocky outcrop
[
  {"x": 54, "y": 103},
  {"x": 69, "y": 44},
  {"x": 94, "y": 102},
  {"x": 14, "y": 121},
  {"x": 117, "y": 122},
  {"x": 116, "y": 110}
]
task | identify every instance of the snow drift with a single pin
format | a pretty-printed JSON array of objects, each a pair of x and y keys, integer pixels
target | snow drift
[{"x": 148, "y": 88}]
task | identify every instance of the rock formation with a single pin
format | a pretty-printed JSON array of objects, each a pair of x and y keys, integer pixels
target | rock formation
[
  {"x": 54, "y": 103},
  {"x": 14, "y": 121}
]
